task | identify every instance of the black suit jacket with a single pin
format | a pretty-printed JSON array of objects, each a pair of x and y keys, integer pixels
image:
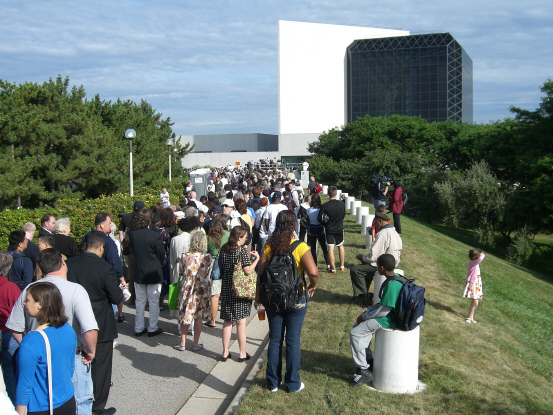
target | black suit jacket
[
  {"x": 43, "y": 231},
  {"x": 31, "y": 252},
  {"x": 147, "y": 248},
  {"x": 100, "y": 281},
  {"x": 66, "y": 245}
]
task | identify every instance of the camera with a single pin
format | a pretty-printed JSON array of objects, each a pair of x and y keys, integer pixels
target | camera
[{"x": 380, "y": 179}]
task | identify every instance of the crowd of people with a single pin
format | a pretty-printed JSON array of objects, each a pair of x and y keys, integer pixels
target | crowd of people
[{"x": 246, "y": 217}]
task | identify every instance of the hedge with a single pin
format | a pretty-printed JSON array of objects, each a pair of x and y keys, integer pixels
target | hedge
[{"x": 81, "y": 213}]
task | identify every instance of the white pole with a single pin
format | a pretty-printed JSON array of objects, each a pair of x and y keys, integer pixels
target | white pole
[
  {"x": 130, "y": 159},
  {"x": 169, "y": 163}
]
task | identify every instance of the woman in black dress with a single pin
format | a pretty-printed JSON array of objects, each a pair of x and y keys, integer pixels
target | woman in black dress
[{"x": 235, "y": 309}]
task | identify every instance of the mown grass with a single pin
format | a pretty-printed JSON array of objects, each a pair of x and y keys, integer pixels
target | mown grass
[{"x": 502, "y": 365}]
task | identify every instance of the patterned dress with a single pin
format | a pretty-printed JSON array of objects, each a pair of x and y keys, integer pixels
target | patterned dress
[
  {"x": 195, "y": 291},
  {"x": 233, "y": 308}
]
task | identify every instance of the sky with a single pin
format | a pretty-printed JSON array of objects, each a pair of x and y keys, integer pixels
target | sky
[{"x": 212, "y": 65}]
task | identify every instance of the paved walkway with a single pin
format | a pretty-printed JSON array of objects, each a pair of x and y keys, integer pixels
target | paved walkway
[{"x": 150, "y": 377}]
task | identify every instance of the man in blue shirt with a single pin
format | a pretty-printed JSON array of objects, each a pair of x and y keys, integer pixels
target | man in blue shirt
[{"x": 22, "y": 267}]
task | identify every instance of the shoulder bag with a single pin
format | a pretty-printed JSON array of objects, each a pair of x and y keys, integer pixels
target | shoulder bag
[
  {"x": 243, "y": 286},
  {"x": 49, "y": 362}
]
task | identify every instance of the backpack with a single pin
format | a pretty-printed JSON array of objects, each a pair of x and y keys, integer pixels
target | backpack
[
  {"x": 318, "y": 189},
  {"x": 405, "y": 198},
  {"x": 290, "y": 204},
  {"x": 280, "y": 284},
  {"x": 410, "y": 303}
]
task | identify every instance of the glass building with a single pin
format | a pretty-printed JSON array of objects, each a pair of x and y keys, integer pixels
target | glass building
[{"x": 421, "y": 75}]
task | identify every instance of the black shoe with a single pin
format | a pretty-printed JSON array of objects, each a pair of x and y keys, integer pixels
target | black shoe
[
  {"x": 155, "y": 333},
  {"x": 224, "y": 359},
  {"x": 363, "y": 378},
  {"x": 370, "y": 361},
  {"x": 243, "y": 359},
  {"x": 108, "y": 411},
  {"x": 141, "y": 333}
]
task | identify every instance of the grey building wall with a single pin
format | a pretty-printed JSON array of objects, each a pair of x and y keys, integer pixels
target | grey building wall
[{"x": 228, "y": 143}]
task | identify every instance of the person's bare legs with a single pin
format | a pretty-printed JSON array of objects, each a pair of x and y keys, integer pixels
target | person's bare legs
[
  {"x": 214, "y": 308},
  {"x": 331, "y": 256},
  {"x": 473, "y": 305},
  {"x": 197, "y": 331},
  {"x": 342, "y": 255},
  {"x": 241, "y": 336},
  {"x": 227, "y": 332},
  {"x": 183, "y": 331},
  {"x": 120, "y": 309}
]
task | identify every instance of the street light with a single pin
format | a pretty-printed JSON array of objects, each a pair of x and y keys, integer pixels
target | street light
[
  {"x": 169, "y": 144},
  {"x": 130, "y": 134}
]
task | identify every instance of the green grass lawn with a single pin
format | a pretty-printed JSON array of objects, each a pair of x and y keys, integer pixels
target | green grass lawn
[{"x": 502, "y": 365}]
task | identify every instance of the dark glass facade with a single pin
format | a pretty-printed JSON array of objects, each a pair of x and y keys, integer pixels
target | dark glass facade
[{"x": 421, "y": 75}]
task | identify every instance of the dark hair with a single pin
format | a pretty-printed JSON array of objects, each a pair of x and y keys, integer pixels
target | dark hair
[
  {"x": 189, "y": 223},
  {"x": 235, "y": 234},
  {"x": 241, "y": 206},
  {"x": 157, "y": 208},
  {"x": 15, "y": 238},
  {"x": 332, "y": 191},
  {"x": 101, "y": 218},
  {"x": 48, "y": 295},
  {"x": 315, "y": 201},
  {"x": 381, "y": 208},
  {"x": 48, "y": 239},
  {"x": 285, "y": 193},
  {"x": 45, "y": 219},
  {"x": 166, "y": 218},
  {"x": 387, "y": 261},
  {"x": 144, "y": 218},
  {"x": 203, "y": 199},
  {"x": 256, "y": 204},
  {"x": 49, "y": 260},
  {"x": 475, "y": 254},
  {"x": 280, "y": 239},
  {"x": 396, "y": 183},
  {"x": 217, "y": 229},
  {"x": 95, "y": 241}
]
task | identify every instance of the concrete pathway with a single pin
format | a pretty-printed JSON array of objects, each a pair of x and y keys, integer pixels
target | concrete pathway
[{"x": 150, "y": 377}]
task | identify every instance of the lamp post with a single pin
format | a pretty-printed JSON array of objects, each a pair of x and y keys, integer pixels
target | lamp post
[
  {"x": 130, "y": 134},
  {"x": 169, "y": 144}
]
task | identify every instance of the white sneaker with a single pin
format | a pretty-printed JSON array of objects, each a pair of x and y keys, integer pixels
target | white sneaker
[
  {"x": 115, "y": 344},
  {"x": 302, "y": 387}
]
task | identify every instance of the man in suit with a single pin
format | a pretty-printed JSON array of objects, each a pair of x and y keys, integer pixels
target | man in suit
[
  {"x": 47, "y": 223},
  {"x": 147, "y": 248},
  {"x": 99, "y": 279}
]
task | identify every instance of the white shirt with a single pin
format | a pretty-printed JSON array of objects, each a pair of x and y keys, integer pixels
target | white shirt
[{"x": 271, "y": 213}]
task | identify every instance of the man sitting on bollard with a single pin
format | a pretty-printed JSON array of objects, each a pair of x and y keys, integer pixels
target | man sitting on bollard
[
  {"x": 376, "y": 317},
  {"x": 387, "y": 241}
]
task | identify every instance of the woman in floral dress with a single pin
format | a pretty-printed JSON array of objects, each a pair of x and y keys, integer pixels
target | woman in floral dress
[{"x": 195, "y": 293}]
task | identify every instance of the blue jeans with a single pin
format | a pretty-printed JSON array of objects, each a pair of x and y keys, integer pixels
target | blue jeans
[
  {"x": 9, "y": 346},
  {"x": 82, "y": 382},
  {"x": 287, "y": 322}
]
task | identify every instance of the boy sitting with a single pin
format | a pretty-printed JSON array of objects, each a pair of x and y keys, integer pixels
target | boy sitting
[{"x": 375, "y": 318}]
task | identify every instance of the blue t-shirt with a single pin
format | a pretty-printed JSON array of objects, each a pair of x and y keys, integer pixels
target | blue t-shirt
[{"x": 32, "y": 374}]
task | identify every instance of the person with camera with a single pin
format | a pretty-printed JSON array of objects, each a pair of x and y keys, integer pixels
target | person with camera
[{"x": 379, "y": 190}]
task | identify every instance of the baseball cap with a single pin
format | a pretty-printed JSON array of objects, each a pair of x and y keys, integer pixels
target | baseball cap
[
  {"x": 138, "y": 206},
  {"x": 217, "y": 209},
  {"x": 228, "y": 202}
]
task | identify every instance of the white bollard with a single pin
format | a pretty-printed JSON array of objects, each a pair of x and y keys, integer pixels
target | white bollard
[
  {"x": 365, "y": 223},
  {"x": 338, "y": 194},
  {"x": 349, "y": 199},
  {"x": 354, "y": 205},
  {"x": 361, "y": 210},
  {"x": 325, "y": 189},
  {"x": 368, "y": 241},
  {"x": 396, "y": 361}
]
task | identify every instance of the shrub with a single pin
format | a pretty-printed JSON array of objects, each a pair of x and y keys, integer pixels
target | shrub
[{"x": 520, "y": 250}]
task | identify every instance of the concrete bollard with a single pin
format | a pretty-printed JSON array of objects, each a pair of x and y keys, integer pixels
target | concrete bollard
[
  {"x": 338, "y": 194},
  {"x": 325, "y": 189},
  {"x": 368, "y": 241},
  {"x": 361, "y": 210},
  {"x": 349, "y": 199},
  {"x": 354, "y": 205},
  {"x": 365, "y": 222},
  {"x": 396, "y": 361}
]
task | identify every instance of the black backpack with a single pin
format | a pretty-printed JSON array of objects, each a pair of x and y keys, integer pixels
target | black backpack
[
  {"x": 280, "y": 284},
  {"x": 411, "y": 303}
]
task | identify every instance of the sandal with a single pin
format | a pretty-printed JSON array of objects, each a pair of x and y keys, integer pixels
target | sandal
[
  {"x": 224, "y": 359},
  {"x": 121, "y": 319},
  {"x": 209, "y": 325},
  {"x": 163, "y": 308},
  {"x": 343, "y": 269}
]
